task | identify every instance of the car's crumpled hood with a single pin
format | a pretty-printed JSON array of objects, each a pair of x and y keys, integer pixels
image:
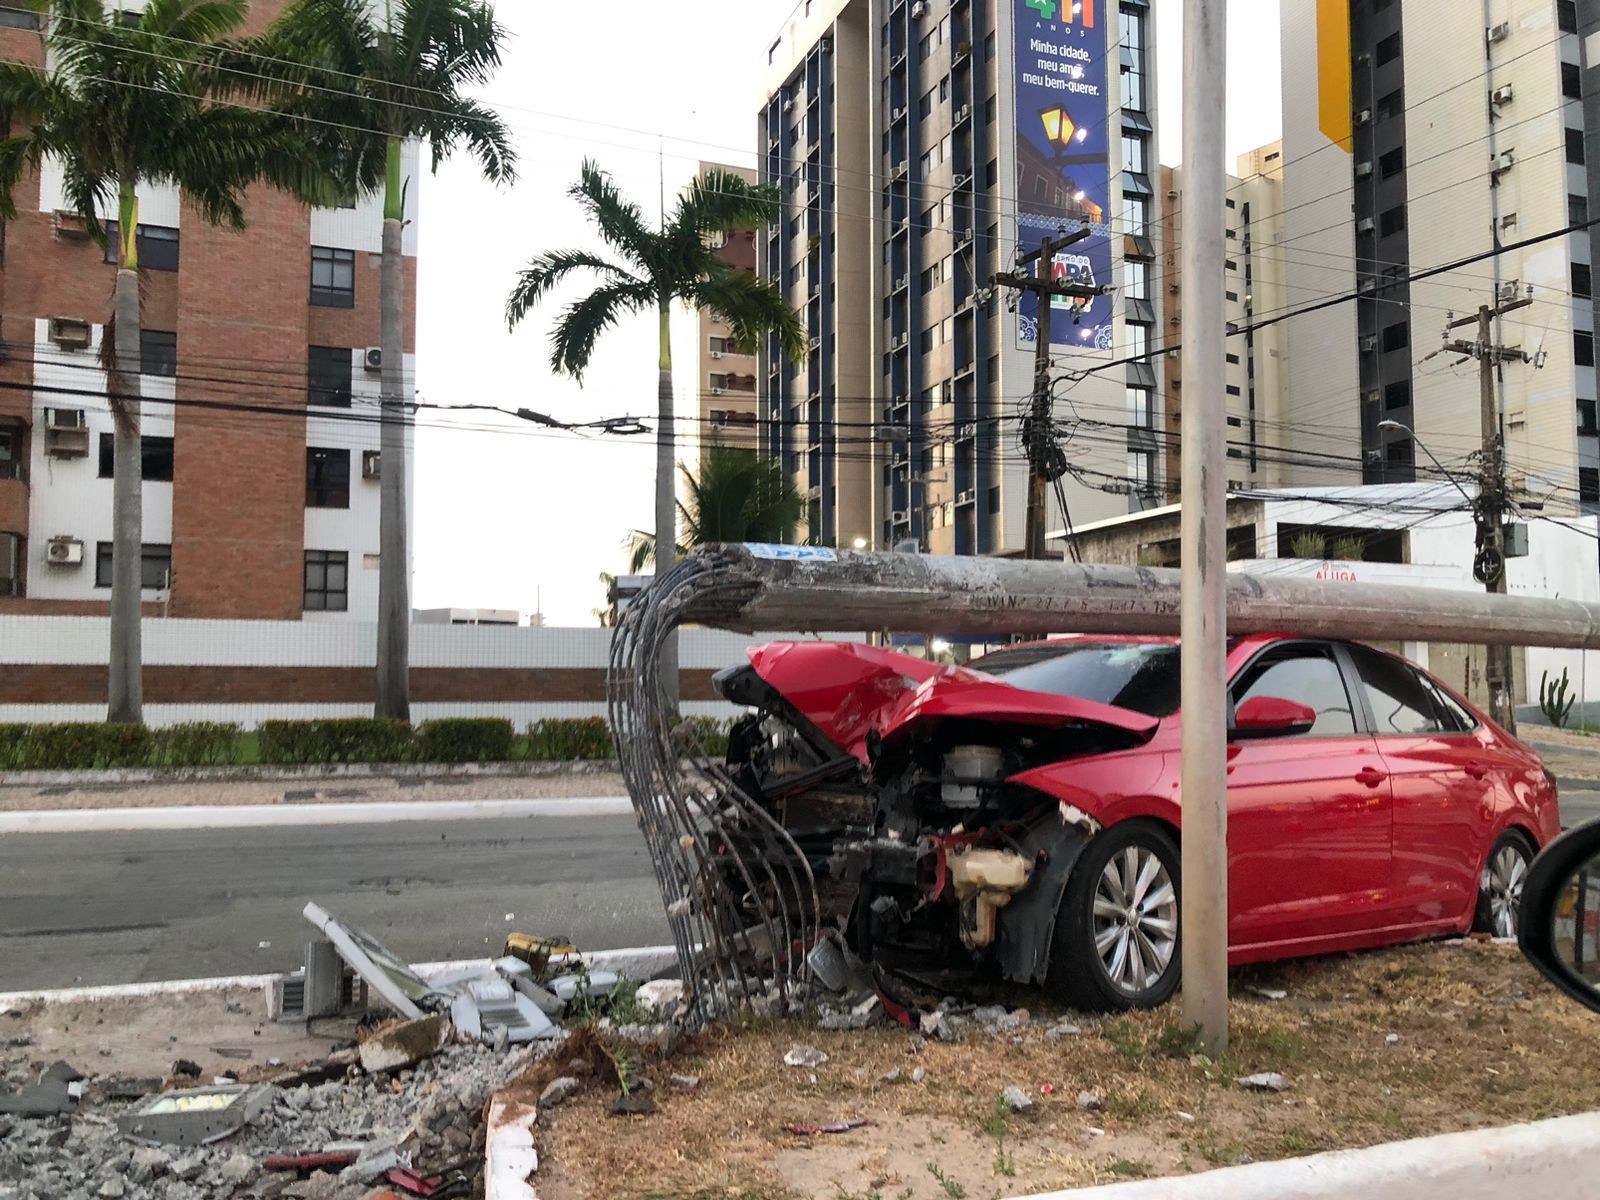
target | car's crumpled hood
[{"x": 849, "y": 690}]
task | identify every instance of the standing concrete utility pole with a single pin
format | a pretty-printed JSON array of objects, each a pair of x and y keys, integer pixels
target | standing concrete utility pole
[
  {"x": 1489, "y": 567},
  {"x": 1038, "y": 438},
  {"x": 1203, "y": 916}
]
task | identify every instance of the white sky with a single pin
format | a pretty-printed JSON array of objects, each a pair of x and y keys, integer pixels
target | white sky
[{"x": 508, "y": 516}]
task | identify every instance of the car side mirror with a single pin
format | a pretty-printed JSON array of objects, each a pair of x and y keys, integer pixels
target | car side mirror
[
  {"x": 1559, "y": 923},
  {"x": 1272, "y": 716}
]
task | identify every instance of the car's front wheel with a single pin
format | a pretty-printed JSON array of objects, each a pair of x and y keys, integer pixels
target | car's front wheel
[
  {"x": 1116, "y": 942},
  {"x": 1500, "y": 885}
]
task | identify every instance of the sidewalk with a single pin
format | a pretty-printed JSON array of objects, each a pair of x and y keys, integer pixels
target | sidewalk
[{"x": 549, "y": 781}]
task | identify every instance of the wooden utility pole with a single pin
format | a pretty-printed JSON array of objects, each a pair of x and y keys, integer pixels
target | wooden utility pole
[
  {"x": 1038, "y": 437},
  {"x": 1203, "y": 532},
  {"x": 1489, "y": 565}
]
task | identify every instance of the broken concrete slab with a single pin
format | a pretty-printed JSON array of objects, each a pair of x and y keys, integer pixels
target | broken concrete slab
[
  {"x": 558, "y": 1091},
  {"x": 400, "y": 1046},
  {"x": 193, "y": 1116},
  {"x": 594, "y": 983},
  {"x": 47, "y": 1098}
]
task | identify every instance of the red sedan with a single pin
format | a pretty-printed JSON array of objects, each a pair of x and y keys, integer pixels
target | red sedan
[{"x": 1021, "y": 814}]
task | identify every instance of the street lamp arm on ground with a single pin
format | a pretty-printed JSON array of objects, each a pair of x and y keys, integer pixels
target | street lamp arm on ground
[{"x": 1412, "y": 434}]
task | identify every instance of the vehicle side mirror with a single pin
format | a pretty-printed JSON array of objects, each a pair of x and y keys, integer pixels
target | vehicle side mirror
[
  {"x": 1272, "y": 716},
  {"x": 1559, "y": 923}
]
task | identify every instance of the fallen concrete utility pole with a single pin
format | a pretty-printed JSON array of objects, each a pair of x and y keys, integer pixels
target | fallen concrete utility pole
[{"x": 739, "y": 894}]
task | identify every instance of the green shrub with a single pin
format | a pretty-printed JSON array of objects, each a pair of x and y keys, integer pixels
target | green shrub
[
  {"x": 195, "y": 744},
  {"x": 464, "y": 739},
  {"x": 13, "y": 742},
  {"x": 335, "y": 740},
  {"x": 562, "y": 739},
  {"x": 70, "y": 745}
]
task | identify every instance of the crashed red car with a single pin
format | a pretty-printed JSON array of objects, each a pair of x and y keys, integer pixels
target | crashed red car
[{"x": 1021, "y": 814}]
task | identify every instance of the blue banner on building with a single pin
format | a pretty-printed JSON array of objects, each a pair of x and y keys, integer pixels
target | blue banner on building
[{"x": 1063, "y": 156}]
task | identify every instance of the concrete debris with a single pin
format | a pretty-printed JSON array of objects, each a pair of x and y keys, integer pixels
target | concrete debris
[
  {"x": 112, "y": 1189},
  {"x": 633, "y": 1104},
  {"x": 594, "y": 984},
  {"x": 52, "y": 1095},
  {"x": 193, "y": 1116},
  {"x": 240, "y": 1169},
  {"x": 184, "y": 1068},
  {"x": 893, "y": 1076},
  {"x": 1064, "y": 1030},
  {"x": 804, "y": 1056},
  {"x": 1016, "y": 1099},
  {"x": 1392, "y": 1038},
  {"x": 687, "y": 1083},
  {"x": 918, "y": 1075},
  {"x": 1268, "y": 993},
  {"x": 828, "y": 966},
  {"x": 1090, "y": 1101},
  {"x": 660, "y": 997},
  {"x": 403, "y": 1045},
  {"x": 1265, "y": 1081},
  {"x": 558, "y": 1091}
]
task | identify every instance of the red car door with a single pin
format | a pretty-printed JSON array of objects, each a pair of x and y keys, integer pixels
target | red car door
[
  {"x": 1308, "y": 814},
  {"x": 1443, "y": 781}
]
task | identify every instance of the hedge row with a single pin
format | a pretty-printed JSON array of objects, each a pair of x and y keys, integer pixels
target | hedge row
[{"x": 82, "y": 745}]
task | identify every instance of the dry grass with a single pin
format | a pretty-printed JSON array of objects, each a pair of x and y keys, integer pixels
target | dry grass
[{"x": 1482, "y": 1041}]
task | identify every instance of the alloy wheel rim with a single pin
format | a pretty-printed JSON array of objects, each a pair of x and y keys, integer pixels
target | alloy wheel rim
[
  {"x": 1503, "y": 882},
  {"x": 1135, "y": 919}
]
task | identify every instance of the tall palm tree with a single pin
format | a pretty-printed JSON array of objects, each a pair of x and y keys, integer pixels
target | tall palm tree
[
  {"x": 130, "y": 100},
  {"x": 737, "y": 496},
  {"x": 658, "y": 267},
  {"x": 365, "y": 80}
]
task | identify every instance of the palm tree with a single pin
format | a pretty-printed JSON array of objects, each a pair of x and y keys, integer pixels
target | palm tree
[
  {"x": 658, "y": 267},
  {"x": 128, "y": 101},
  {"x": 364, "y": 82},
  {"x": 738, "y": 496}
]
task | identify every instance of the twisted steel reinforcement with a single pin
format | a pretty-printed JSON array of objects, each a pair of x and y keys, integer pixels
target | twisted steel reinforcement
[{"x": 739, "y": 894}]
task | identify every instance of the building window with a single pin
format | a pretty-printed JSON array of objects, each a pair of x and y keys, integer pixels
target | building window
[
  {"x": 158, "y": 352},
  {"x": 1392, "y": 105},
  {"x": 327, "y": 478},
  {"x": 17, "y": 18},
  {"x": 10, "y": 456},
  {"x": 1133, "y": 153},
  {"x": 1583, "y": 349},
  {"x": 1138, "y": 339},
  {"x": 1233, "y": 360},
  {"x": 1135, "y": 215},
  {"x": 155, "y": 458},
  {"x": 327, "y": 581},
  {"x": 1577, "y": 209},
  {"x": 1141, "y": 412},
  {"x": 1135, "y": 279},
  {"x": 333, "y": 277},
  {"x": 155, "y": 570},
  {"x": 328, "y": 376},
  {"x": 1580, "y": 279},
  {"x": 1586, "y": 417},
  {"x": 1399, "y": 453},
  {"x": 1231, "y": 297},
  {"x": 1392, "y": 220},
  {"x": 1575, "y": 145},
  {"x": 156, "y": 246},
  {"x": 1392, "y": 163},
  {"x": 1567, "y": 16},
  {"x": 1396, "y": 336},
  {"x": 1387, "y": 50},
  {"x": 1589, "y": 485},
  {"x": 1232, "y": 389},
  {"x": 925, "y": 105},
  {"x": 988, "y": 48},
  {"x": 1397, "y": 395},
  {"x": 1571, "y": 81},
  {"x": 990, "y": 107}
]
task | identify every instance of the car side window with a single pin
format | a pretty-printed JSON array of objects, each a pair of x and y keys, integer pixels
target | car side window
[
  {"x": 1459, "y": 716},
  {"x": 1402, "y": 702},
  {"x": 1307, "y": 675}
]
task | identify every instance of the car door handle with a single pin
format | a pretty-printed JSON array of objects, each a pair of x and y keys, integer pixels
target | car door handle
[
  {"x": 1476, "y": 769},
  {"x": 1371, "y": 776}
]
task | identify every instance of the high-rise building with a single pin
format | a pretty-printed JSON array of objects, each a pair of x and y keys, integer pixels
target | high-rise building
[
  {"x": 260, "y": 387},
  {"x": 1418, "y": 133},
  {"x": 922, "y": 144},
  {"x": 1255, "y": 360},
  {"x": 724, "y": 382}
]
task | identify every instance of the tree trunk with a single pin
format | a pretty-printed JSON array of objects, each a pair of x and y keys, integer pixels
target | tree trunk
[
  {"x": 125, "y": 698},
  {"x": 394, "y": 559},
  {"x": 666, "y": 507}
]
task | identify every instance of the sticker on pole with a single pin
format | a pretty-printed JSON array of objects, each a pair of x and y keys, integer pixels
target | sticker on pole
[{"x": 794, "y": 553}]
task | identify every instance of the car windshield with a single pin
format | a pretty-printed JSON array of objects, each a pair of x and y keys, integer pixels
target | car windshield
[{"x": 1141, "y": 676}]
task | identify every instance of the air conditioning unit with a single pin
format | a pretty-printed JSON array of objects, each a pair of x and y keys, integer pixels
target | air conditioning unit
[
  {"x": 788, "y": 105},
  {"x": 815, "y": 343},
  {"x": 900, "y": 516},
  {"x": 964, "y": 178},
  {"x": 1502, "y": 94},
  {"x": 1364, "y": 116},
  {"x": 1366, "y": 225},
  {"x": 716, "y": 354},
  {"x": 1503, "y": 161},
  {"x": 69, "y": 223},
  {"x": 1509, "y": 290},
  {"x": 65, "y": 418},
  {"x": 1173, "y": 194},
  {"x": 1363, "y": 170},
  {"x": 1500, "y": 32},
  {"x": 900, "y": 282},
  {"x": 898, "y": 340},
  {"x": 918, "y": 8},
  {"x": 962, "y": 50},
  {"x": 69, "y": 333},
  {"x": 371, "y": 464},
  {"x": 963, "y": 113},
  {"x": 899, "y": 112},
  {"x": 905, "y": 222},
  {"x": 716, "y": 391},
  {"x": 1369, "y": 343},
  {"x": 966, "y": 496},
  {"x": 64, "y": 552},
  {"x": 969, "y": 430},
  {"x": 372, "y": 360}
]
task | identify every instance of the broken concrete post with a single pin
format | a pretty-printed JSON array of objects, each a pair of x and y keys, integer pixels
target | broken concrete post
[{"x": 401, "y": 1045}]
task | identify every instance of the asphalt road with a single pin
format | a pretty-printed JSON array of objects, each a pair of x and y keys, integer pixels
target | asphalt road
[{"x": 121, "y": 907}]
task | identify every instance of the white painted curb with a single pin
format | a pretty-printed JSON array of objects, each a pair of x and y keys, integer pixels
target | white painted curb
[
  {"x": 260, "y": 816},
  {"x": 509, "y": 1154},
  {"x": 632, "y": 962},
  {"x": 1553, "y": 1159}
]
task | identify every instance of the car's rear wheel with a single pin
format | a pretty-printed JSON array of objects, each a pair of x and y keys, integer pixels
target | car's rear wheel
[
  {"x": 1500, "y": 885},
  {"x": 1116, "y": 942}
]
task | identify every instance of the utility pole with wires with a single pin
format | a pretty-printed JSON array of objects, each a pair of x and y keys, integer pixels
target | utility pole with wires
[
  {"x": 1046, "y": 461},
  {"x": 1489, "y": 564}
]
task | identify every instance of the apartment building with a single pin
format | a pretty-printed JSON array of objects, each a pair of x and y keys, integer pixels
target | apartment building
[
  {"x": 1418, "y": 133},
  {"x": 260, "y": 385},
  {"x": 922, "y": 144},
  {"x": 1255, "y": 359},
  {"x": 725, "y": 377}
]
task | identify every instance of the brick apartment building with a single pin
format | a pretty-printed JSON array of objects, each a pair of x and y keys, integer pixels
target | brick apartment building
[
  {"x": 268, "y": 515},
  {"x": 724, "y": 382}
]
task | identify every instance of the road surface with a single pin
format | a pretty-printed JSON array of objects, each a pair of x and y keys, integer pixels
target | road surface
[{"x": 130, "y": 906}]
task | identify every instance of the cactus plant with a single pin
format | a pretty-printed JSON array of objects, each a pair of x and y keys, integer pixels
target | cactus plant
[{"x": 1553, "y": 699}]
